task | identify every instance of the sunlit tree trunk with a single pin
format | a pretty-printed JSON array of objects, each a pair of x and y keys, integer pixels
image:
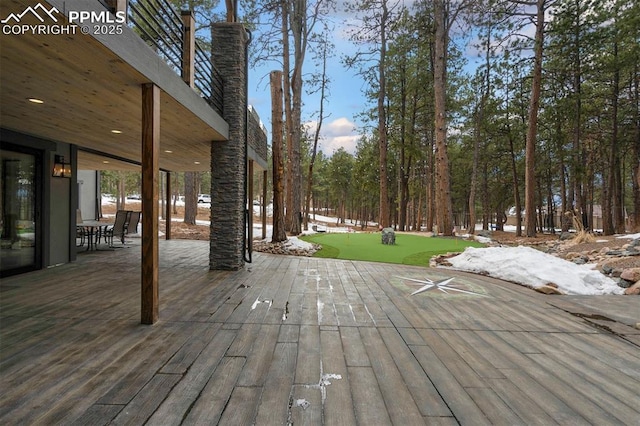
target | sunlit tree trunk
[
  {"x": 279, "y": 233},
  {"x": 382, "y": 122},
  {"x": 444, "y": 209},
  {"x": 190, "y": 198},
  {"x": 532, "y": 130}
]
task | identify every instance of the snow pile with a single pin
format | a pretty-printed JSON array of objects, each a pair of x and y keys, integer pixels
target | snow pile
[
  {"x": 481, "y": 239},
  {"x": 297, "y": 243},
  {"x": 629, "y": 236},
  {"x": 530, "y": 267}
]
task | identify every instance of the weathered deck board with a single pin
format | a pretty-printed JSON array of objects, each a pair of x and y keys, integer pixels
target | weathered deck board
[
  {"x": 275, "y": 405},
  {"x": 212, "y": 401},
  {"x": 309, "y": 365},
  {"x": 514, "y": 361},
  {"x": 334, "y": 382},
  {"x": 338, "y": 342},
  {"x": 184, "y": 394},
  {"x": 402, "y": 408},
  {"x": 368, "y": 401},
  {"x": 425, "y": 395}
]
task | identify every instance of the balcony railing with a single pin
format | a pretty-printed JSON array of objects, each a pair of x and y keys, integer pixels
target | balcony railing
[{"x": 162, "y": 28}]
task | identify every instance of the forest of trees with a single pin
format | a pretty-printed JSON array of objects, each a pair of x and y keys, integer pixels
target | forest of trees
[
  {"x": 548, "y": 123},
  {"x": 544, "y": 124}
]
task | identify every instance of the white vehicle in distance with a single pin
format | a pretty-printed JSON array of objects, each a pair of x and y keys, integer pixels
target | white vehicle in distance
[{"x": 204, "y": 198}]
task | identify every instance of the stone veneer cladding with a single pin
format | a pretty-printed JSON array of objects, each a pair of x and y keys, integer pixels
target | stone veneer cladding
[
  {"x": 228, "y": 158},
  {"x": 257, "y": 135}
]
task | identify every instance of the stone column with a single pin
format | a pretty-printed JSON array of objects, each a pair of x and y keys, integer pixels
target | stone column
[{"x": 228, "y": 158}]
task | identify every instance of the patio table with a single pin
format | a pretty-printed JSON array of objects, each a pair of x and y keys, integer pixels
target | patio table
[{"x": 93, "y": 230}]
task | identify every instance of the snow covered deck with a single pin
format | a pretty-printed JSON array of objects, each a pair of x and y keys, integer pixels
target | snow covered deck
[{"x": 308, "y": 341}]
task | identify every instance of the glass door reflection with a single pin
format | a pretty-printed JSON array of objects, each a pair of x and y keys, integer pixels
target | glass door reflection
[{"x": 19, "y": 249}]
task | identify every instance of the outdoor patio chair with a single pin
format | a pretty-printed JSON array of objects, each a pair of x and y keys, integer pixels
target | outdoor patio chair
[
  {"x": 80, "y": 232},
  {"x": 119, "y": 227},
  {"x": 134, "y": 220}
]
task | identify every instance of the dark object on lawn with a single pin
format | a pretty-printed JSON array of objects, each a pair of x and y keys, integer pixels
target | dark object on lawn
[{"x": 388, "y": 236}]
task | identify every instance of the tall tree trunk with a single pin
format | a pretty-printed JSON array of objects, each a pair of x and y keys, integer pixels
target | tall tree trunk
[
  {"x": 174, "y": 186},
  {"x": 636, "y": 151},
  {"x": 403, "y": 172},
  {"x": 532, "y": 130},
  {"x": 444, "y": 209},
  {"x": 279, "y": 233},
  {"x": 190, "y": 197},
  {"x": 288, "y": 113},
  {"x": 121, "y": 196},
  {"x": 578, "y": 158},
  {"x": 384, "y": 214},
  {"x": 616, "y": 181},
  {"x": 299, "y": 31},
  {"x": 516, "y": 188},
  {"x": 316, "y": 137},
  {"x": 474, "y": 175}
]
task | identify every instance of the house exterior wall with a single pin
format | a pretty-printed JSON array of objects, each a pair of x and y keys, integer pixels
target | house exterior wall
[
  {"x": 57, "y": 201},
  {"x": 228, "y": 159},
  {"x": 88, "y": 194}
]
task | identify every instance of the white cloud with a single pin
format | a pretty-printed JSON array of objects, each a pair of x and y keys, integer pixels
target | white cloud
[
  {"x": 339, "y": 126},
  {"x": 331, "y": 145},
  {"x": 336, "y": 134}
]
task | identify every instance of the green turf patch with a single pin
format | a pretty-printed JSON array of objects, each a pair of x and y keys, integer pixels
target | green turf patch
[{"x": 408, "y": 250}]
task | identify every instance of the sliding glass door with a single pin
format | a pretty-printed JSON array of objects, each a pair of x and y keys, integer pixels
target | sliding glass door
[{"x": 20, "y": 243}]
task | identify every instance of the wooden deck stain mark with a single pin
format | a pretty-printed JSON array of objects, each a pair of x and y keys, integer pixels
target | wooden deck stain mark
[
  {"x": 333, "y": 381},
  {"x": 274, "y": 405}
]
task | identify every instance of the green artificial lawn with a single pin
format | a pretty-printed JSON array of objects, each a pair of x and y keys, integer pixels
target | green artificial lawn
[{"x": 408, "y": 250}]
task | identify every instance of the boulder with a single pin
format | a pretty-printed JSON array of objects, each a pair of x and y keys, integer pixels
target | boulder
[
  {"x": 631, "y": 274},
  {"x": 388, "y": 236},
  {"x": 550, "y": 288},
  {"x": 634, "y": 290},
  {"x": 566, "y": 236}
]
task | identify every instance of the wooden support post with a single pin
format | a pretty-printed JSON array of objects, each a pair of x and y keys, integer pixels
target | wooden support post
[
  {"x": 118, "y": 6},
  {"x": 263, "y": 211},
  {"x": 150, "y": 167},
  {"x": 168, "y": 209},
  {"x": 189, "y": 47}
]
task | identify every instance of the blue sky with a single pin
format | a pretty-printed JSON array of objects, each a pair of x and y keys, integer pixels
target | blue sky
[{"x": 344, "y": 101}]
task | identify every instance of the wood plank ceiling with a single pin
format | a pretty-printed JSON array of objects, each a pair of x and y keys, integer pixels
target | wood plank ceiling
[{"x": 89, "y": 93}]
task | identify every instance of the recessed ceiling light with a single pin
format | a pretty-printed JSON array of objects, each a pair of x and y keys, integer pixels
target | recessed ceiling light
[
  {"x": 105, "y": 162},
  {"x": 36, "y": 100},
  {"x": 196, "y": 162},
  {"x": 168, "y": 151},
  {"x": 117, "y": 132}
]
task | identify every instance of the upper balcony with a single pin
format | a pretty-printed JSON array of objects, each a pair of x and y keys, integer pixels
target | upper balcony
[
  {"x": 171, "y": 34},
  {"x": 89, "y": 81}
]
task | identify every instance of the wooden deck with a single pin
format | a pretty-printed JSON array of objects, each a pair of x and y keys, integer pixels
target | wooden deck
[{"x": 292, "y": 340}]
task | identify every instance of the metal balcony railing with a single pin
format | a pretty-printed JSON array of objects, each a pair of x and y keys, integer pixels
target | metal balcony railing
[{"x": 161, "y": 27}]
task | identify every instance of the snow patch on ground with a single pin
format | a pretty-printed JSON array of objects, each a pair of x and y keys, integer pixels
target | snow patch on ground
[
  {"x": 630, "y": 236},
  {"x": 295, "y": 242},
  {"x": 533, "y": 268}
]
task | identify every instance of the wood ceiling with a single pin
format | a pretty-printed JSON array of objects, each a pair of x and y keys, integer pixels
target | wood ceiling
[{"x": 88, "y": 92}]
